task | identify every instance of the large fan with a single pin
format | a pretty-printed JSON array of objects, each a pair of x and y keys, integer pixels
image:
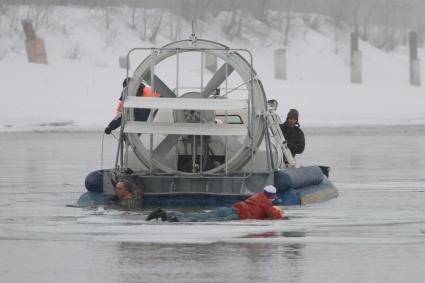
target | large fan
[{"x": 192, "y": 135}]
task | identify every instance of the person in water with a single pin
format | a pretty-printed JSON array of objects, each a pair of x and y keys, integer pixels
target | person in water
[
  {"x": 259, "y": 206},
  {"x": 292, "y": 132},
  {"x": 140, "y": 114},
  {"x": 127, "y": 196}
]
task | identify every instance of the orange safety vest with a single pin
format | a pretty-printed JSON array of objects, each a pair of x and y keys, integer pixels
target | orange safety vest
[{"x": 147, "y": 92}]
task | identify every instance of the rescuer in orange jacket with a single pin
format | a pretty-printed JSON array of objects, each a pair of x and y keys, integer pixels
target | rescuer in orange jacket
[
  {"x": 259, "y": 206},
  {"x": 140, "y": 114}
]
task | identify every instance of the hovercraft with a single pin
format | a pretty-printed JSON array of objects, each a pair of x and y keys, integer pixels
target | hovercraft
[{"x": 211, "y": 138}]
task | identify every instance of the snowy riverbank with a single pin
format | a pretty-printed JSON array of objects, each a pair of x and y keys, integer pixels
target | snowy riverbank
[{"x": 81, "y": 92}]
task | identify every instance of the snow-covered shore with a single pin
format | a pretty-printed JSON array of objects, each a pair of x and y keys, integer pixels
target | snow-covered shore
[{"x": 81, "y": 93}]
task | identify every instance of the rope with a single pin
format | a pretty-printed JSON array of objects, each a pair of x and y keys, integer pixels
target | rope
[
  {"x": 101, "y": 153},
  {"x": 114, "y": 136}
]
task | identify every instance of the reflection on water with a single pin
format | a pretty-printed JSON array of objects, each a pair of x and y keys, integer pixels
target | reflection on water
[
  {"x": 360, "y": 155},
  {"x": 373, "y": 232},
  {"x": 217, "y": 262},
  {"x": 293, "y": 234},
  {"x": 274, "y": 234}
]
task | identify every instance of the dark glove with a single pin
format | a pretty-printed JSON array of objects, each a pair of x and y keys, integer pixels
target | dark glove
[{"x": 108, "y": 130}]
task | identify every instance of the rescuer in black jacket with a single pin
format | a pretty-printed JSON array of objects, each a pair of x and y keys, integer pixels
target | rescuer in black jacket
[{"x": 292, "y": 132}]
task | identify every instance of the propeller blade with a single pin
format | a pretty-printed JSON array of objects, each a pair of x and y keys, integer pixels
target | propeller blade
[
  {"x": 218, "y": 78},
  {"x": 160, "y": 86},
  {"x": 165, "y": 146}
]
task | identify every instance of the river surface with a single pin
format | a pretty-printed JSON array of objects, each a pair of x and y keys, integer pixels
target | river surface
[{"x": 373, "y": 232}]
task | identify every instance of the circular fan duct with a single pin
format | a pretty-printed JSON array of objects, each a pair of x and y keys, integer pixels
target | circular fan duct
[{"x": 234, "y": 64}]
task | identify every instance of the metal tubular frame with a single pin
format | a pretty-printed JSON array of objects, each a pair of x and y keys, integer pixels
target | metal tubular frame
[
  {"x": 201, "y": 152},
  {"x": 251, "y": 114}
]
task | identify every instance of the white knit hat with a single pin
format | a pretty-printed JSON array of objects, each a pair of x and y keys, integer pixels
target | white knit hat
[{"x": 269, "y": 189}]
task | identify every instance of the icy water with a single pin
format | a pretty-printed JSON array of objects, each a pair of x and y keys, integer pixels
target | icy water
[{"x": 373, "y": 232}]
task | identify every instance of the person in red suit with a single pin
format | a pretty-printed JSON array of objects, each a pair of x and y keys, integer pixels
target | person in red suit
[{"x": 259, "y": 206}]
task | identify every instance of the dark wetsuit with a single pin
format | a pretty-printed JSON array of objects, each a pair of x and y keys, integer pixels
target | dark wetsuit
[{"x": 294, "y": 138}]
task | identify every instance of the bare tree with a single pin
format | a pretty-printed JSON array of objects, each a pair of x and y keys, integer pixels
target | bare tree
[
  {"x": 260, "y": 10},
  {"x": 174, "y": 23},
  {"x": 388, "y": 11},
  {"x": 145, "y": 24},
  {"x": 355, "y": 10},
  {"x": 420, "y": 26},
  {"x": 133, "y": 17},
  {"x": 3, "y": 8},
  {"x": 289, "y": 4},
  {"x": 107, "y": 17},
  {"x": 133, "y": 7},
  {"x": 155, "y": 29},
  {"x": 337, "y": 15},
  {"x": 230, "y": 26},
  {"x": 233, "y": 29},
  {"x": 14, "y": 18},
  {"x": 365, "y": 35}
]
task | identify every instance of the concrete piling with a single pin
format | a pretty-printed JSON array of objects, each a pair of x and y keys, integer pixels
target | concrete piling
[
  {"x": 34, "y": 46},
  {"x": 356, "y": 59},
  {"x": 415, "y": 63},
  {"x": 280, "y": 64}
]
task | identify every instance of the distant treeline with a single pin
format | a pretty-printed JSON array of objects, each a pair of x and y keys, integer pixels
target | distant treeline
[
  {"x": 389, "y": 16},
  {"x": 405, "y": 13}
]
